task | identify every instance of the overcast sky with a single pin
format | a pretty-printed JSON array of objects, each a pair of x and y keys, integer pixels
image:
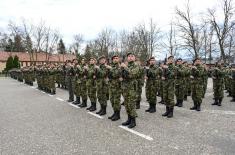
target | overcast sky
[{"x": 88, "y": 17}]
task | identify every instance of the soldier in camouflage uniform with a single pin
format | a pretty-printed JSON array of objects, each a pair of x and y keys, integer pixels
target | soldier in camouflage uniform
[
  {"x": 233, "y": 83},
  {"x": 130, "y": 84},
  {"x": 77, "y": 83},
  {"x": 114, "y": 76},
  {"x": 218, "y": 83},
  {"x": 168, "y": 86},
  {"x": 197, "y": 84},
  {"x": 102, "y": 85},
  {"x": 69, "y": 77},
  {"x": 152, "y": 75},
  {"x": 51, "y": 79},
  {"x": 91, "y": 83},
  {"x": 179, "y": 82},
  {"x": 205, "y": 79},
  {"x": 161, "y": 84},
  {"x": 140, "y": 84},
  {"x": 187, "y": 80},
  {"x": 83, "y": 87}
]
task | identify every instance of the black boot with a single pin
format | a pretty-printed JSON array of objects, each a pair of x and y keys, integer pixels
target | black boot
[
  {"x": 150, "y": 106},
  {"x": 233, "y": 100},
  {"x": 101, "y": 109},
  {"x": 84, "y": 104},
  {"x": 220, "y": 101},
  {"x": 177, "y": 103},
  {"x": 185, "y": 97},
  {"x": 138, "y": 105},
  {"x": 53, "y": 92},
  {"x": 132, "y": 123},
  {"x": 180, "y": 103},
  {"x": 116, "y": 116},
  {"x": 194, "y": 106},
  {"x": 103, "y": 112},
  {"x": 89, "y": 107},
  {"x": 215, "y": 103},
  {"x": 122, "y": 103},
  {"x": 153, "y": 109},
  {"x": 198, "y": 106},
  {"x": 166, "y": 113},
  {"x": 110, "y": 117},
  {"x": 93, "y": 108},
  {"x": 76, "y": 102},
  {"x": 128, "y": 121},
  {"x": 170, "y": 114}
]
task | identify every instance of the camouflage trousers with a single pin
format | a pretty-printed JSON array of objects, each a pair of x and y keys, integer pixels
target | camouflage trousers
[
  {"x": 168, "y": 92},
  {"x": 91, "y": 89},
  {"x": 180, "y": 89},
  {"x": 233, "y": 88},
  {"x": 129, "y": 93},
  {"x": 115, "y": 94},
  {"x": 51, "y": 83},
  {"x": 151, "y": 91},
  {"x": 102, "y": 89},
  {"x": 218, "y": 89},
  {"x": 205, "y": 81},
  {"x": 83, "y": 90},
  {"x": 197, "y": 91}
]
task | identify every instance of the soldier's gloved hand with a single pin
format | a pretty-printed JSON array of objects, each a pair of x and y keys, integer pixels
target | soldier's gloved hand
[
  {"x": 123, "y": 65},
  {"x": 97, "y": 67},
  {"x": 108, "y": 67}
]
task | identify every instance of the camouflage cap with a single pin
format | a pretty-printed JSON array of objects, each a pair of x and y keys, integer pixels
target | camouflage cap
[
  {"x": 102, "y": 57},
  {"x": 179, "y": 59},
  {"x": 130, "y": 53},
  {"x": 171, "y": 56},
  {"x": 114, "y": 56},
  {"x": 92, "y": 58},
  {"x": 151, "y": 58}
]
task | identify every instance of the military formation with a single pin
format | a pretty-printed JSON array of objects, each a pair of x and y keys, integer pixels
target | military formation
[{"x": 100, "y": 81}]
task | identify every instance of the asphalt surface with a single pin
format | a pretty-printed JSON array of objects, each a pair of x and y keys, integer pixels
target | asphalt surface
[{"x": 32, "y": 122}]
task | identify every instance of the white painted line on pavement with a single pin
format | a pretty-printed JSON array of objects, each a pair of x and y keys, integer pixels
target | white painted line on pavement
[
  {"x": 43, "y": 92},
  {"x": 220, "y": 112},
  {"x": 59, "y": 99},
  {"x": 137, "y": 133},
  {"x": 98, "y": 116},
  {"x": 50, "y": 95},
  {"x": 73, "y": 105}
]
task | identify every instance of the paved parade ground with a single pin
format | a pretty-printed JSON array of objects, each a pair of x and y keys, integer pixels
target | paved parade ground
[{"x": 33, "y": 122}]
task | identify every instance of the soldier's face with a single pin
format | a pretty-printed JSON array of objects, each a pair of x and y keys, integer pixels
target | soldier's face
[
  {"x": 115, "y": 59},
  {"x": 197, "y": 62},
  {"x": 131, "y": 58},
  {"x": 170, "y": 60},
  {"x": 83, "y": 61},
  {"x": 102, "y": 61},
  {"x": 179, "y": 62},
  {"x": 92, "y": 61},
  {"x": 152, "y": 62}
]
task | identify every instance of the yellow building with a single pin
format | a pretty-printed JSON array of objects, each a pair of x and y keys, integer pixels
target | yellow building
[{"x": 27, "y": 59}]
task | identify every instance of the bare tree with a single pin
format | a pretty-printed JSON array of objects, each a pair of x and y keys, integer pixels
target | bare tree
[
  {"x": 170, "y": 41},
  {"x": 190, "y": 32},
  {"x": 105, "y": 41},
  {"x": 222, "y": 29},
  {"x": 78, "y": 40}
]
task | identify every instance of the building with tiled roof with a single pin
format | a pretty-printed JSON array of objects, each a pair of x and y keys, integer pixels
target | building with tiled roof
[{"x": 26, "y": 59}]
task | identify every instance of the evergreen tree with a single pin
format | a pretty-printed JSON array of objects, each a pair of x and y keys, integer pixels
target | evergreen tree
[
  {"x": 9, "y": 47},
  {"x": 61, "y": 47},
  {"x": 16, "y": 63},
  {"x": 18, "y": 44},
  {"x": 9, "y": 64}
]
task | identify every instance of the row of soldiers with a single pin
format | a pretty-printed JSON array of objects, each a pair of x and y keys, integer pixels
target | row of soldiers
[{"x": 105, "y": 82}]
